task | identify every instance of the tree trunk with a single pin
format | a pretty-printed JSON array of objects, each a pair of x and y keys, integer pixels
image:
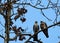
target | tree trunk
[{"x": 7, "y": 26}]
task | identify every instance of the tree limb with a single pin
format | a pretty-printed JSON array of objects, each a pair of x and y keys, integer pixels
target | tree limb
[
  {"x": 2, "y": 14},
  {"x": 41, "y": 30},
  {"x": 45, "y": 16},
  {"x": 11, "y": 39},
  {"x": 2, "y": 25},
  {"x": 35, "y": 6},
  {"x": 2, "y": 36}
]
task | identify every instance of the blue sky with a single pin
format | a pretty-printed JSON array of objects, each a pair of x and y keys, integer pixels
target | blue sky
[{"x": 35, "y": 15}]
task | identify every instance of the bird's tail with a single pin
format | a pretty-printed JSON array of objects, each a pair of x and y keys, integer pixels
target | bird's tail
[
  {"x": 35, "y": 38},
  {"x": 46, "y": 33}
]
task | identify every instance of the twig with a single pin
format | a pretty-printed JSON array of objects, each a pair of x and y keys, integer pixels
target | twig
[
  {"x": 2, "y": 24},
  {"x": 45, "y": 16},
  {"x": 2, "y": 36},
  {"x": 35, "y": 6},
  {"x": 41, "y": 30},
  {"x": 2, "y": 14},
  {"x": 11, "y": 39}
]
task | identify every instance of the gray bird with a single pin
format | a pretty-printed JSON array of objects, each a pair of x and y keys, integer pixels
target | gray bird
[
  {"x": 44, "y": 28},
  {"x": 35, "y": 29}
]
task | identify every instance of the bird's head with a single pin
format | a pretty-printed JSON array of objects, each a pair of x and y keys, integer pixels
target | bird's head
[
  {"x": 36, "y": 22},
  {"x": 41, "y": 21}
]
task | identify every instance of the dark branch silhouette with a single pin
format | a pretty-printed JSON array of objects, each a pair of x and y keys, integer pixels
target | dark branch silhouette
[
  {"x": 41, "y": 30},
  {"x": 2, "y": 37},
  {"x": 5, "y": 11}
]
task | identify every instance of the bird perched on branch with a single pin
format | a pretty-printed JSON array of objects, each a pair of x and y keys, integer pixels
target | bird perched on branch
[
  {"x": 44, "y": 28},
  {"x": 35, "y": 29}
]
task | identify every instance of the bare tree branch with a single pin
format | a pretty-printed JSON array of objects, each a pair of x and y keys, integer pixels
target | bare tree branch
[
  {"x": 35, "y": 6},
  {"x": 54, "y": 24},
  {"x": 2, "y": 36},
  {"x": 45, "y": 16},
  {"x": 2, "y": 25},
  {"x": 8, "y": 6},
  {"x": 2, "y": 14},
  {"x": 11, "y": 39},
  {"x": 53, "y": 6},
  {"x": 41, "y": 30}
]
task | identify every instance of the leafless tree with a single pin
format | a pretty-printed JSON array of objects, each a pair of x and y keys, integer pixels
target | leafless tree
[{"x": 7, "y": 11}]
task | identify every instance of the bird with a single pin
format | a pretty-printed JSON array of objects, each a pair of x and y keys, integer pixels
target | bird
[
  {"x": 35, "y": 29},
  {"x": 44, "y": 28}
]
